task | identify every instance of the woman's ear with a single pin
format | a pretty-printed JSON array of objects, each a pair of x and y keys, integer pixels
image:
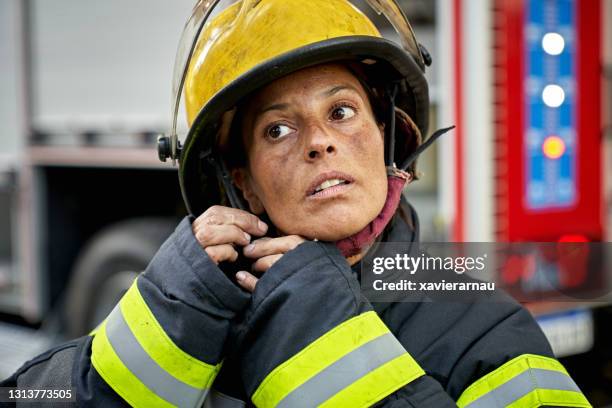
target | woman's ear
[{"x": 242, "y": 179}]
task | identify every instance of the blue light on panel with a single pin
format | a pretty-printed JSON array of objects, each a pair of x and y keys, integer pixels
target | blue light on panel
[{"x": 550, "y": 100}]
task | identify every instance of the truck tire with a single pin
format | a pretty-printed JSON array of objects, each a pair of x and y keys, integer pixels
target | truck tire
[{"x": 107, "y": 266}]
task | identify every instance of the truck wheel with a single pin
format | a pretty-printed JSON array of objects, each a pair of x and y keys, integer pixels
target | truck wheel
[{"x": 106, "y": 268}]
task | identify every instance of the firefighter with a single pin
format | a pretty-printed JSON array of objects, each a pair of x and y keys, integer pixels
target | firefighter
[{"x": 304, "y": 126}]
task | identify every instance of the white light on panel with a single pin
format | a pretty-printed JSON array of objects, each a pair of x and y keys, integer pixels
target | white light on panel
[
  {"x": 553, "y": 43},
  {"x": 553, "y": 96}
]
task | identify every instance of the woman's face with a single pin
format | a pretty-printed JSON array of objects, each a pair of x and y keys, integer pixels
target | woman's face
[{"x": 315, "y": 154}]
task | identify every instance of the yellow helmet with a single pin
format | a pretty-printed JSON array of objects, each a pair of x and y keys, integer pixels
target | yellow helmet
[{"x": 251, "y": 43}]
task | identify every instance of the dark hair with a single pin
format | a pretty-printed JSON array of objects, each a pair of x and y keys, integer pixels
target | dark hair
[{"x": 237, "y": 156}]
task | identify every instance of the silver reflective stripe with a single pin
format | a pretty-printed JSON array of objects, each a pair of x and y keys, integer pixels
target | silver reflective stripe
[
  {"x": 145, "y": 368},
  {"x": 343, "y": 372},
  {"x": 523, "y": 384},
  {"x": 216, "y": 399}
]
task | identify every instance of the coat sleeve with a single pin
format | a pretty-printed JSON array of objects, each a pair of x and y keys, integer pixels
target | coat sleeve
[
  {"x": 509, "y": 362},
  {"x": 489, "y": 353},
  {"x": 164, "y": 342},
  {"x": 311, "y": 339}
]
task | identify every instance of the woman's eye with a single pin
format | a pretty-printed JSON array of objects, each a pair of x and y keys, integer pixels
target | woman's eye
[
  {"x": 278, "y": 131},
  {"x": 343, "y": 112}
]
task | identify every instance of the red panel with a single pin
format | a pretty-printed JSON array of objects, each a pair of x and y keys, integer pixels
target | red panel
[
  {"x": 509, "y": 117},
  {"x": 591, "y": 206},
  {"x": 514, "y": 221}
]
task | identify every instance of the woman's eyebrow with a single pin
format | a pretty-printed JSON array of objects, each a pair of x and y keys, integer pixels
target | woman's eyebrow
[
  {"x": 327, "y": 93},
  {"x": 276, "y": 106},
  {"x": 338, "y": 88}
]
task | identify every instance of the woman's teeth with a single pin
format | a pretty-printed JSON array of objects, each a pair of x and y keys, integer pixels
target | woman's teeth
[{"x": 329, "y": 183}]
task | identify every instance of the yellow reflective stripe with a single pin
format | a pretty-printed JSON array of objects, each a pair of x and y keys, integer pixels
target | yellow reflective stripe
[
  {"x": 160, "y": 347},
  {"x": 340, "y": 340},
  {"x": 507, "y": 372},
  {"x": 558, "y": 398},
  {"x": 118, "y": 377},
  {"x": 375, "y": 386},
  {"x": 317, "y": 356}
]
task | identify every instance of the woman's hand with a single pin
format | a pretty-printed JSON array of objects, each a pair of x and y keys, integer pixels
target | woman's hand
[
  {"x": 267, "y": 251},
  {"x": 219, "y": 228}
]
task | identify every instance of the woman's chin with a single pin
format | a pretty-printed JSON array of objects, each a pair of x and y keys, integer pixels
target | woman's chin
[
  {"x": 333, "y": 226},
  {"x": 334, "y": 230}
]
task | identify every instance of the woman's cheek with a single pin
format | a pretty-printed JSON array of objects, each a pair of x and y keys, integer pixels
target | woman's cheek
[
  {"x": 273, "y": 181},
  {"x": 368, "y": 142}
]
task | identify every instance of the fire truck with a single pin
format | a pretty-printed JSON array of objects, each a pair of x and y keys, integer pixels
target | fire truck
[
  {"x": 85, "y": 201},
  {"x": 527, "y": 82}
]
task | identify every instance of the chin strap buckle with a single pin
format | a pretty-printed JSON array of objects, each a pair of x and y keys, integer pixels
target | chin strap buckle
[
  {"x": 164, "y": 149},
  {"x": 395, "y": 172}
]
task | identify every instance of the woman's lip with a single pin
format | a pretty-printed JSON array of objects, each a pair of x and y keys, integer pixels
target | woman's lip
[
  {"x": 330, "y": 192},
  {"x": 330, "y": 175}
]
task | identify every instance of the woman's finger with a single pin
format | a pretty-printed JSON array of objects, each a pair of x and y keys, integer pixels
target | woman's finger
[
  {"x": 272, "y": 246},
  {"x": 219, "y": 215},
  {"x": 222, "y": 253},
  {"x": 208, "y": 235},
  {"x": 246, "y": 280},
  {"x": 265, "y": 263}
]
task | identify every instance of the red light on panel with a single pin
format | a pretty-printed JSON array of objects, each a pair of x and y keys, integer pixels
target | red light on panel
[{"x": 553, "y": 147}]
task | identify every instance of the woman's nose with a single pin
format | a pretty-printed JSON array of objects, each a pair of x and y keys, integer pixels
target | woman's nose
[{"x": 319, "y": 143}]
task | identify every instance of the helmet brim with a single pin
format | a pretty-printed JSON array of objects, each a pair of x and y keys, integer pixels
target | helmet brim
[{"x": 198, "y": 181}]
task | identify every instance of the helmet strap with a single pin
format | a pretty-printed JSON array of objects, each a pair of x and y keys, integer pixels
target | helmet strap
[
  {"x": 424, "y": 147},
  {"x": 390, "y": 94},
  {"x": 223, "y": 174}
]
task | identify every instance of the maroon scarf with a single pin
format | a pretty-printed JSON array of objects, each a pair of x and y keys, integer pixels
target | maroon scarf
[{"x": 396, "y": 180}]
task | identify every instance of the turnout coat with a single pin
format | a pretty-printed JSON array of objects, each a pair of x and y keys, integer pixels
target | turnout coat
[{"x": 185, "y": 335}]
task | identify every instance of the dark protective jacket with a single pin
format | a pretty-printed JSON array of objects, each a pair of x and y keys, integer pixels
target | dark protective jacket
[{"x": 185, "y": 335}]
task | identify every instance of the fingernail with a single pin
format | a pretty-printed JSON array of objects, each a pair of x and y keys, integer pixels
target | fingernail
[
  {"x": 262, "y": 226},
  {"x": 240, "y": 276},
  {"x": 249, "y": 248},
  {"x": 247, "y": 236}
]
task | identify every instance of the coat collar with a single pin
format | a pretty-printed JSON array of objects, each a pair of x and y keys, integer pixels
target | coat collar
[{"x": 403, "y": 227}]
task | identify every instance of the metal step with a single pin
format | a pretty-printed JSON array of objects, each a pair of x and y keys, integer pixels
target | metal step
[{"x": 18, "y": 345}]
